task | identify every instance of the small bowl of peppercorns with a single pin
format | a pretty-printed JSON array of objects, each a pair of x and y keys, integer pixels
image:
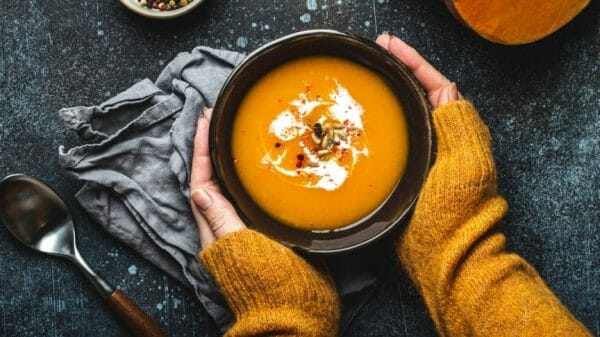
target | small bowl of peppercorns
[{"x": 161, "y": 9}]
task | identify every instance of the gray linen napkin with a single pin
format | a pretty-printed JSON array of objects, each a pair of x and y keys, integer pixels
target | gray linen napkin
[{"x": 136, "y": 168}]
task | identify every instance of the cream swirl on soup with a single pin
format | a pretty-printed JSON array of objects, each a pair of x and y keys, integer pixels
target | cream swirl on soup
[{"x": 326, "y": 135}]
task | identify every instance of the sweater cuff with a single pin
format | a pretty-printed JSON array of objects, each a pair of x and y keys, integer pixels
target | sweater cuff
[
  {"x": 257, "y": 273},
  {"x": 458, "y": 125}
]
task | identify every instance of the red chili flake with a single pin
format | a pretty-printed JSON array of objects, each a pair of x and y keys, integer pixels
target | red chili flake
[
  {"x": 300, "y": 157},
  {"x": 337, "y": 142},
  {"x": 298, "y": 164},
  {"x": 346, "y": 122},
  {"x": 278, "y": 145},
  {"x": 358, "y": 134}
]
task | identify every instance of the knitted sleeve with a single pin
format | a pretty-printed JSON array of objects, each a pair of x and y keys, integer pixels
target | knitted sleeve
[
  {"x": 271, "y": 290},
  {"x": 471, "y": 285}
]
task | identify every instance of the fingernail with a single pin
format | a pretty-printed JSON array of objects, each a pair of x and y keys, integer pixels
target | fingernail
[
  {"x": 203, "y": 114},
  {"x": 443, "y": 97},
  {"x": 452, "y": 92},
  {"x": 204, "y": 109},
  {"x": 207, "y": 112},
  {"x": 385, "y": 32},
  {"x": 202, "y": 199}
]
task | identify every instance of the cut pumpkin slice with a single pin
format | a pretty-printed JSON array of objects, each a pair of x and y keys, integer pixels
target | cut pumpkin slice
[{"x": 515, "y": 22}]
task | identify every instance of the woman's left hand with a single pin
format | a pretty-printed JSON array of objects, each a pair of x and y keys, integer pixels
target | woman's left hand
[{"x": 213, "y": 213}]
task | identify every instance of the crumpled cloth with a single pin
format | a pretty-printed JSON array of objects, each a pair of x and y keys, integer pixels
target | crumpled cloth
[{"x": 135, "y": 165}]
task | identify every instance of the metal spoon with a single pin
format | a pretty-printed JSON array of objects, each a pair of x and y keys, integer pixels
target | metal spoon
[{"x": 39, "y": 218}]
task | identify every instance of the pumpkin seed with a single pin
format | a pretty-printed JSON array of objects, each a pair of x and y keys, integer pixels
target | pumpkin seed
[{"x": 324, "y": 152}]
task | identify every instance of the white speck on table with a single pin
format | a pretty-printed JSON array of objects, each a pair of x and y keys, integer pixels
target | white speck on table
[{"x": 305, "y": 18}]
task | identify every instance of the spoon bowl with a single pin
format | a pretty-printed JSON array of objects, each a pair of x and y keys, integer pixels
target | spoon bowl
[{"x": 35, "y": 215}]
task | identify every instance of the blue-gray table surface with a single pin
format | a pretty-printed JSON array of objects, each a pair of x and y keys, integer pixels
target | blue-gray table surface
[{"x": 540, "y": 101}]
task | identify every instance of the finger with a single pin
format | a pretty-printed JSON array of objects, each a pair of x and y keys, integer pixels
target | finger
[
  {"x": 383, "y": 40},
  {"x": 218, "y": 212},
  {"x": 448, "y": 94},
  {"x": 430, "y": 78},
  {"x": 202, "y": 170},
  {"x": 207, "y": 237},
  {"x": 208, "y": 113}
]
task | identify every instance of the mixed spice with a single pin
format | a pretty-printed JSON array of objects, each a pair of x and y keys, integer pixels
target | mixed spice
[
  {"x": 164, "y": 5},
  {"x": 328, "y": 139},
  {"x": 318, "y": 138}
]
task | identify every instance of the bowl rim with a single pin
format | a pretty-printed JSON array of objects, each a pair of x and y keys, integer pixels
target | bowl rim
[
  {"x": 428, "y": 130},
  {"x": 164, "y": 15}
]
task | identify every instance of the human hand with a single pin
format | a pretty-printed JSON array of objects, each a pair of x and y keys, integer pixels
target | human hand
[
  {"x": 461, "y": 181},
  {"x": 463, "y": 140},
  {"x": 213, "y": 213},
  {"x": 280, "y": 278},
  {"x": 439, "y": 89}
]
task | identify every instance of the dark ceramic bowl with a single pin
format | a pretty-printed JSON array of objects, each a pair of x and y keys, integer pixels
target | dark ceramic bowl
[{"x": 325, "y": 42}]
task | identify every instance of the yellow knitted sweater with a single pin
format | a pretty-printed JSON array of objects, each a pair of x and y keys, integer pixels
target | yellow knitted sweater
[{"x": 471, "y": 285}]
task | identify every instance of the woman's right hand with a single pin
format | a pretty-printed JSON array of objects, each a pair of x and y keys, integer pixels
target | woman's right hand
[
  {"x": 471, "y": 285},
  {"x": 463, "y": 176},
  {"x": 439, "y": 89}
]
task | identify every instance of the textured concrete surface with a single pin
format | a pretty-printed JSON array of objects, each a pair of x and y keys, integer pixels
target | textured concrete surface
[{"x": 541, "y": 101}]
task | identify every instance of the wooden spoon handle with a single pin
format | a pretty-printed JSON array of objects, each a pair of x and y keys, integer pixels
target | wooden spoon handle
[{"x": 136, "y": 320}]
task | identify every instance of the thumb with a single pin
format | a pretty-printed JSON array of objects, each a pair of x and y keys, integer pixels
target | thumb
[
  {"x": 448, "y": 94},
  {"x": 218, "y": 212}
]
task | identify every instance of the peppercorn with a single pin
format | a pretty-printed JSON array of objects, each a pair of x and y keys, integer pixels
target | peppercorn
[
  {"x": 318, "y": 130},
  {"x": 164, "y": 5}
]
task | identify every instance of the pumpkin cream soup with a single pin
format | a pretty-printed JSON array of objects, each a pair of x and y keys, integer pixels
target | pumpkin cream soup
[{"x": 320, "y": 142}]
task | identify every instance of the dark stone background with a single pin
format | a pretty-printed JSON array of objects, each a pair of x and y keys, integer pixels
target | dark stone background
[{"x": 541, "y": 102}]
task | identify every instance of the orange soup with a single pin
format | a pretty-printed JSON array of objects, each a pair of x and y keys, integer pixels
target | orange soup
[{"x": 320, "y": 142}]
